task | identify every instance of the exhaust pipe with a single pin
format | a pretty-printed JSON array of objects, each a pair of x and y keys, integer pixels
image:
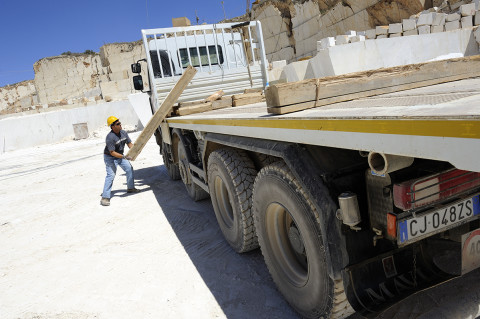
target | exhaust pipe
[{"x": 385, "y": 163}]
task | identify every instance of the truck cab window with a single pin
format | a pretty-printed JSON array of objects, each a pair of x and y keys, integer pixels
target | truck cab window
[
  {"x": 203, "y": 57},
  {"x": 157, "y": 73}
]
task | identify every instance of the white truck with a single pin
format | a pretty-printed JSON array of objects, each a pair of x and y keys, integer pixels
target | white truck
[{"x": 354, "y": 205}]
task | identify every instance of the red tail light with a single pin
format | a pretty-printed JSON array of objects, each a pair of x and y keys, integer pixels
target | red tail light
[{"x": 420, "y": 192}]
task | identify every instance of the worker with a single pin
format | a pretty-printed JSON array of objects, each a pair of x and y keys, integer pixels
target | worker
[{"x": 113, "y": 157}]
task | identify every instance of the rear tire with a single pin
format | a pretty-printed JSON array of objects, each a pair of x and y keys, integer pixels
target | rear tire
[
  {"x": 172, "y": 168},
  {"x": 194, "y": 191},
  {"x": 231, "y": 174},
  {"x": 291, "y": 242}
]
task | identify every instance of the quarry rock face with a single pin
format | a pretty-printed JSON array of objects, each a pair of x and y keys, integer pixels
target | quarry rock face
[
  {"x": 291, "y": 28},
  {"x": 17, "y": 97}
]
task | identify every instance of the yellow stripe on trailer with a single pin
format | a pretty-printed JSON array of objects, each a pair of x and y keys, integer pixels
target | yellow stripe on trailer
[{"x": 436, "y": 128}]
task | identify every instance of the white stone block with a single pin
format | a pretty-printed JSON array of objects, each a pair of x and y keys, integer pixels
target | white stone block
[
  {"x": 453, "y": 17},
  {"x": 326, "y": 43},
  {"x": 410, "y": 32},
  {"x": 477, "y": 18},
  {"x": 361, "y": 33},
  {"x": 467, "y": 22},
  {"x": 452, "y": 25},
  {"x": 351, "y": 33},
  {"x": 409, "y": 24},
  {"x": 467, "y": 9},
  {"x": 425, "y": 19},
  {"x": 437, "y": 28},
  {"x": 279, "y": 64},
  {"x": 395, "y": 28},
  {"x": 371, "y": 34},
  {"x": 381, "y": 29},
  {"x": 395, "y": 35},
  {"x": 439, "y": 19},
  {"x": 357, "y": 38},
  {"x": 342, "y": 39},
  {"x": 424, "y": 29},
  {"x": 382, "y": 36}
]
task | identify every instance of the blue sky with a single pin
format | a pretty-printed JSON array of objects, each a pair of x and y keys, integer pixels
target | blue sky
[{"x": 32, "y": 29}]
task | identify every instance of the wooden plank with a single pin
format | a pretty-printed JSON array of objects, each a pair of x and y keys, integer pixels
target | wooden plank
[
  {"x": 390, "y": 79},
  {"x": 348, "y": 97},
  {"x": 197, "y": 108},
  {"x": 225, "y": 101},
  {"x": 215, "y": 96},
  {"x": 252, "y": 91},
  {"x": 162, "y": 112},
  {"x": 247, "y": 98}
]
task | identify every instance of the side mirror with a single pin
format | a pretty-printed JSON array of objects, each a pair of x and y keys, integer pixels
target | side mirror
[
  {"x": 137, "y": 82},
  {"x": 136, "y": 68}
]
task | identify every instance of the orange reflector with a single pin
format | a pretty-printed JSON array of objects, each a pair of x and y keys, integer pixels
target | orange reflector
[{"x": 392, "y": 225}]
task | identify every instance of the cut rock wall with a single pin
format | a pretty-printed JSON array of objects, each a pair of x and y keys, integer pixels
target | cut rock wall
[
  {"x": 292, "y": 28},
  {"x": 18, "y": 97}
]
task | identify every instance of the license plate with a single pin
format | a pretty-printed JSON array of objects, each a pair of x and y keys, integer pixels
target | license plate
[
  {"x": 419, "y": 227},
  {"x": 470, "y": 251}
]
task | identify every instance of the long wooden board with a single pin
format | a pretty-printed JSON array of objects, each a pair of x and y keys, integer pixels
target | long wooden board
[
  {"x": 161, "y": 113},
  {"x": 291, "y": 97}
]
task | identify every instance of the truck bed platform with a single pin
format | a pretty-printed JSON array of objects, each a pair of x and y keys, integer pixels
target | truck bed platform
[{"x": 438, "y": 122}]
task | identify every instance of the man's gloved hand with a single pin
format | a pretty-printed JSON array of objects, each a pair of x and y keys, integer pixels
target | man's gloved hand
[{"x": 128, "y": 158}]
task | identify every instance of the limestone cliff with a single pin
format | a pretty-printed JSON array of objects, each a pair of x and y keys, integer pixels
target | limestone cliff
[{"x": 291, "y": 28}]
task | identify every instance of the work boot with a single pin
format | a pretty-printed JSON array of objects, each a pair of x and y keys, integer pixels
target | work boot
[
  {"x": 132, "y": 190},
  {"x": 105, "y": 201}
]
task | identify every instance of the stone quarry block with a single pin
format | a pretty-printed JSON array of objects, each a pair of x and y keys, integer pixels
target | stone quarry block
[
  {"x": 361, "y": 33},
  {"x": 439, "y": 19},
  {"x": 342, "y": 39},
  {"x": 467, "y": 9},
  {"x": 395, "y": 35},
  {"x": 382, "y": 36},
  {"x": 424, "y": 29},
  {"x": 437, "y": 28},
  {"x": 395, "y": 28},
  {"x": 371, "y": 34},
  {"x": 351, "y": 33},
  {"x": 181, "y": 22},
  {"x": 453, "y": 17},
  {"x": 381, "y": 29},
  {"x": 357, "y": 38},
  {"x": 409, "y": 24},
  {"x": 410, "y": 32},
  {"x": 467, "y": 22},
  {"x": 279, "y": 64},
  {"x": 477, "y": 18},
  {"x": 325, "y": 43},
  {"x": 452, "y": 25},
  {"x": 425, "y": 19}
]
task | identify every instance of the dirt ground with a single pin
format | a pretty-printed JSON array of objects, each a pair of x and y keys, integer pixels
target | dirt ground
[{"x": 155, "y": 254}]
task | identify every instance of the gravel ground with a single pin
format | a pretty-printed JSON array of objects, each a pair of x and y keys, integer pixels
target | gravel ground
[{"x": 155, "y": 254}]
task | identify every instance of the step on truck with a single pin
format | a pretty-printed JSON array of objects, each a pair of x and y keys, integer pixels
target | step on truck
[{"x": 354, "y": 205}]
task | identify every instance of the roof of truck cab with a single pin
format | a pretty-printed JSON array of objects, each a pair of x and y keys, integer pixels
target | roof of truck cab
[{"x": 439, "y": 122}]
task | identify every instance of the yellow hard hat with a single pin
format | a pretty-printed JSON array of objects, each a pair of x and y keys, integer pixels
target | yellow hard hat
[{"x": 111, "y": 119}]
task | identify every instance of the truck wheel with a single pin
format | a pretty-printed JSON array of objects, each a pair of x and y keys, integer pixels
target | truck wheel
[
  {"x": 231, "y": 174},
  {"x": 291, "y": 242},
  {"x": 194, "y": 191},
  {"x": 172, "y": 168}
]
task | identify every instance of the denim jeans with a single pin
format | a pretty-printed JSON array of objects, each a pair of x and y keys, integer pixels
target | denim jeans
[{"x": 111, "y": 165}]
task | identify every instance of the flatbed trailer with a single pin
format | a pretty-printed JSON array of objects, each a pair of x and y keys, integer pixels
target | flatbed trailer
[{"x": 355, "y": 205}]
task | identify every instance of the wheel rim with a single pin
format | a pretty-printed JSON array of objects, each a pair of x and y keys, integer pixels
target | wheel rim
[
  {"x": 182, "y": 160},
  {"x": 223, "y": 202},
  {"x": 287, "y": 244}
]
